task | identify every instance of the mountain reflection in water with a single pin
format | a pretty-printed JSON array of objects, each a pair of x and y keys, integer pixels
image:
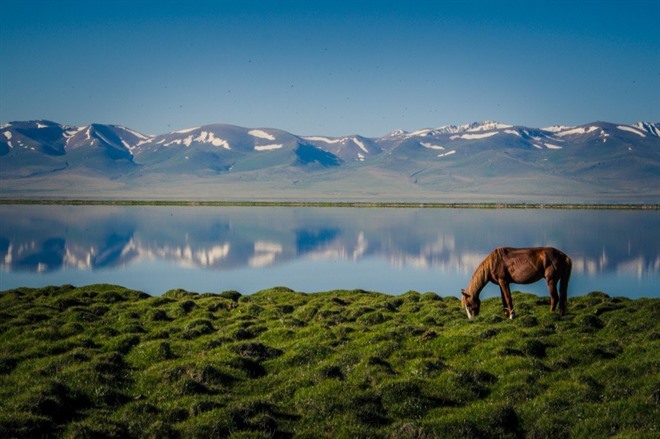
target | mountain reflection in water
[{"x": 47, "y": 239}]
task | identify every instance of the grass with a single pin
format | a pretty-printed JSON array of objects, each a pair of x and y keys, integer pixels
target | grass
[{"x": 105, "y": 361}]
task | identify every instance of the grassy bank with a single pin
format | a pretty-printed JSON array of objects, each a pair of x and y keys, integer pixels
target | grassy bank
[
  {"x": 104, "y": 361},
  {"x": 354, "y": 204}
]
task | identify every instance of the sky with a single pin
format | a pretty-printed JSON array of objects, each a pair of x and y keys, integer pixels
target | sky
[{"x": 329, "y": 67}]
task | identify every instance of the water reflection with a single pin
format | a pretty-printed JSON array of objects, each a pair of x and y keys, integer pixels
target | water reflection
[{"x": 42, "y": 239}]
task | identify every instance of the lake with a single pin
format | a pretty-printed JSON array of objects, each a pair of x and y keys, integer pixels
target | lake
[{"x": 391, "y": 250}]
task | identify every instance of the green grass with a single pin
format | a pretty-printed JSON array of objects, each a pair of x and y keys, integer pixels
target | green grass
[{"x": 104, "y": 361}]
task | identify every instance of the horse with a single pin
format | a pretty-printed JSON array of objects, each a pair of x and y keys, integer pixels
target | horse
[{"x": 506, "y": 265}]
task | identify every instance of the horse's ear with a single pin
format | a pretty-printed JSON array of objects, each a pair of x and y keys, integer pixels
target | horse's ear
[{"x": 464, "y": 293}]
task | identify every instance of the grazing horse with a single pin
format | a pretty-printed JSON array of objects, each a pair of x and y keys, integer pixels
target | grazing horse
[{"x": 504, "y": 266}]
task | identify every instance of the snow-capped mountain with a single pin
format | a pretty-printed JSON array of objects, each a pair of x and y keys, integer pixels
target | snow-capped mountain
[
  {"x": 479, "y": 158},
  {"x": 540, "y": 138}
]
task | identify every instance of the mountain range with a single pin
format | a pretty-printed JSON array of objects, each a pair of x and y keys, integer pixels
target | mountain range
[{"x": 484, "y": 161}]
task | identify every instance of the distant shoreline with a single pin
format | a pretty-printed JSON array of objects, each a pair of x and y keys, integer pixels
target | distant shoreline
[{"x": 345, "y": 204}]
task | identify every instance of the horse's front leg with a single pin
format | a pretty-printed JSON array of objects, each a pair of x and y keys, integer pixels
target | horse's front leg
[
  {"x": 507, "y": 301},
  {"x": 504, "y": 304}
]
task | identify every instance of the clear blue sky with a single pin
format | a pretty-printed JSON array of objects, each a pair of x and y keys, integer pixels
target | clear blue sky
[{"x": 329, "y": 67}]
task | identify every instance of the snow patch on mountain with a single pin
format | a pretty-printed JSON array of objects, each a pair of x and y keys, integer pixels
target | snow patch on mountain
[
  {"x": 268, "y": 147},
  {"x": 323, "y": 139},
  {"x": 477, "y": 130},
  {"x": 261, "y": 134},
  {"x": 8, "y": 135},
  {"x": 486, "y": 126},
  {"x": 604, "y": 136},
  {"x": 475, "y": 136},
  {"x": 577, "y": 130},
  {"x": 453, "y": 151},
  {"x": 186, "y": 131},
  {"x": 202, "y": 137},
  {"x": 347, "y": 142},
  {"x": 431, "y": 146},
  {"x": 177, "y": 141},
  {"x": 397, "y": 133},
  {"x": 99, "y": 137},
  {"x": 216, "y": 141},
  {"x": 136, "y": 134},
  {"x": 69, "y": 134},
  {"x": 419, "y": 133},
  {"x": 551, "y": 146},
  {"x": 557, "y": 128},
  {"x": 475, "y": 127},
  {"x": 631, "y": 130},
  {"x": 360, "y": 145},
  {"x": 651, "y": 128}
]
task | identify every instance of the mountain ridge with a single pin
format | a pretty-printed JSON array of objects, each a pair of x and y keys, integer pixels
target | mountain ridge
[{"x": 481, "y": 159}]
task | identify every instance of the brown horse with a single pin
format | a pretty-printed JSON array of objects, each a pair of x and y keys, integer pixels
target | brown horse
[{"x": 504, "y": 266}]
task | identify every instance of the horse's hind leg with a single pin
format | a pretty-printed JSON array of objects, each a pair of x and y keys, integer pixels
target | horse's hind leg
[
  {"x": 554, "y": 297},
  {"x": 563, "y": 286}
]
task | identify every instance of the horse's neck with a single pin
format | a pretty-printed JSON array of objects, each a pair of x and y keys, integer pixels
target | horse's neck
[{"x": 479, "y": 280}]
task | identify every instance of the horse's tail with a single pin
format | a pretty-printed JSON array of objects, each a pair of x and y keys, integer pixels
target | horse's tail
[{"x": 563, "y": 286}]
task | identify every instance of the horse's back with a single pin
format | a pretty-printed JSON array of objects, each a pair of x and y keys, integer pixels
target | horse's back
[
  {"x": 530, "y": 252},
  {"x": 529, "y": 264}
]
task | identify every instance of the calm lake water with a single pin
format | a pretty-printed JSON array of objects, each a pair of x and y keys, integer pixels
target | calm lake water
[{"x": 212, "y": 249}]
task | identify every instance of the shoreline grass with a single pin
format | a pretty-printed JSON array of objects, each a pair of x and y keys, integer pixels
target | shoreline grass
[
  {"x": 341, "y": 204},
  {"x": 106, "y": 361}
]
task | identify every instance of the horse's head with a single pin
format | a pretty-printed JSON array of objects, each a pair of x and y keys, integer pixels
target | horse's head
[{"x": 471, "y": 304}]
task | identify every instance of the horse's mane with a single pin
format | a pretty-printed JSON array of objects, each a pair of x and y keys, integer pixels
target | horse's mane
[{"x": 480, "y": 277}]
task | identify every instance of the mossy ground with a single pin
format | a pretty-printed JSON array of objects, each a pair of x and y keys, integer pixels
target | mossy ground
[{"x": 104, "y": 361}]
